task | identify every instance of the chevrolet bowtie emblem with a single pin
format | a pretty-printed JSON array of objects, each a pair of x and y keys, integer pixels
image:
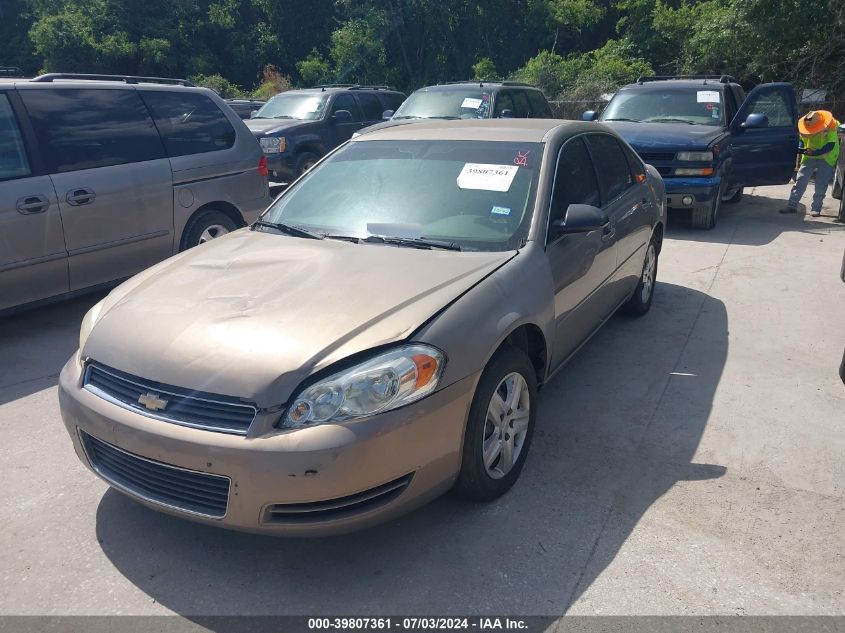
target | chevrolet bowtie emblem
[{"x": 152, "y": 401}]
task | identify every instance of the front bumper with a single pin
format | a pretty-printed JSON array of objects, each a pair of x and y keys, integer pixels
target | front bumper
[
  {"x": 274, "y": 476},
  {"x": 700, "y": 189}
]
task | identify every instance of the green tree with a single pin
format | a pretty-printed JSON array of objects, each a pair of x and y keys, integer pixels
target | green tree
[{"x": 485, "y": 70}]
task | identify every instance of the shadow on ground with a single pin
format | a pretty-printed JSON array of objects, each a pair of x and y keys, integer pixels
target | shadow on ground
[
  {"x": 760, "y": 223},
  {"x": 618, "y": 427}
]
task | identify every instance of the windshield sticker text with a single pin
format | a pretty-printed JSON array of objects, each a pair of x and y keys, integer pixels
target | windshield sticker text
[
  {"x": 500, "y": 211},
  {"x": 521, "y": 158},
  {"x": 487, "y": 177},
  {"x": 471, "y": 103},
  {"x": 708, "y": 96}
]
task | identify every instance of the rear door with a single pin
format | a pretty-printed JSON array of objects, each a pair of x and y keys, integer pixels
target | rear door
[
  {"x": 33, "y": 259},
  {"x": 581, "y": 263},
  {"x": 766, "y": 155},
  {"x": 111, "y": 176}
]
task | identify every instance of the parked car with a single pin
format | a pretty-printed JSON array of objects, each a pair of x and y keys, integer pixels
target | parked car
[
  {"x": 469, "y": 100},
  {"x": 706, "y": 137},
  {"x": 10, "y": 72},
  {"x": 102, "y": 176},
  {"x": 378, "y": 337},
  {"x": 298, "y": 127},
  {"x": 245, "y": 108}
]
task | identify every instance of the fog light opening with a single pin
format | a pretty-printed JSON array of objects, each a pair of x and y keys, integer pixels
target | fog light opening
[{"x": 687, "y": 200}]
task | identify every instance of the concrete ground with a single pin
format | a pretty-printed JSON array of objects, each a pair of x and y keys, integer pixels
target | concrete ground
[{"x": 690, "y": 462}]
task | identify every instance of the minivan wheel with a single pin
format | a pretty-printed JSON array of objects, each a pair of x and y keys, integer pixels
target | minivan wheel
[
  {"x": 499, "y": 427},
  {"x": 305, "y": 162},
  {"x": 206, "y": 226},
  {"x": 640, "y": 302}
]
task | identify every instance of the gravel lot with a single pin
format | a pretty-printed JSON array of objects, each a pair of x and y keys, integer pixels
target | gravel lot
[{"x": 691, "y": 462}]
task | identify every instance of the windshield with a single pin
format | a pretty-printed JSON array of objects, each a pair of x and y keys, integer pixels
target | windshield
[
  {"x": 293, "y": 106},
  {"x": 698, "y": 107},
  {"x": 470, "y": 193},
  {"x": 453, "y": 104}
]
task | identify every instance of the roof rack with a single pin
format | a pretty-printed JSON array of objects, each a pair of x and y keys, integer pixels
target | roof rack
[
  {"x": 128, "y": 79},
  {"x": 722, "y": 79},
  {"x": 352, "y": 87},
  {"x": 481, "y": 82},
  {"x": 11, "y": 71}
]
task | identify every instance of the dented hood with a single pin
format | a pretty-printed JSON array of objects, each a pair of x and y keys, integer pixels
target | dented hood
[{"x": 252, "y": 314}]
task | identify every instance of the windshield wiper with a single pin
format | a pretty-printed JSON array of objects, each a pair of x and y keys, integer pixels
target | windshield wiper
[
  {"x": 281, "y": 116},
  {"x": 343, "y": 238},
  {"x": 624, "y": 119},
  {"x": 413, "y": 242},
  {"x": 413, "y": 116},
  {"x": 288, "y": 229},
  {"x": 670, "y": 120}
]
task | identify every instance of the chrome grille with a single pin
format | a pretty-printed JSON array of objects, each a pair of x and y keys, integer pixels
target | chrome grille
[
  {"x": 188, "y": 490},
  {"x": 181, "y": 406},
  {"x": 341, "y": 507}
]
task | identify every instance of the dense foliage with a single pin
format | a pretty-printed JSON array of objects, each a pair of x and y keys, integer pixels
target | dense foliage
[{"x": 570, "y": 48}]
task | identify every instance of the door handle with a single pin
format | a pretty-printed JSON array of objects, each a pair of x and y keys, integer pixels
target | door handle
[
  {"x": 30, "y": 205},
  {"x": 607, "y": 232},
  {"x": 78, "y": 197}
]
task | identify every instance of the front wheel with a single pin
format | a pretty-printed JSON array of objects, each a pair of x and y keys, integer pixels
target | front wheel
[
  {"x": 500, "y": 426},
  {"x": 640, "y": 302},
  {"x": 732, "y": 196},
  {"x": 304, "y": 162},
  {"x": 706, "y": 214}
]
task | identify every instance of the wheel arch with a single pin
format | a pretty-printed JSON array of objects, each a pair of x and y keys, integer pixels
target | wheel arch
[
  {"x": 529, "y": 338},
  {"x": 227, "y": 208}
]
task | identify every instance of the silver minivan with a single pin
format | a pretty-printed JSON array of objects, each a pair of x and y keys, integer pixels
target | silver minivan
[{"x": 102, "y": 176}]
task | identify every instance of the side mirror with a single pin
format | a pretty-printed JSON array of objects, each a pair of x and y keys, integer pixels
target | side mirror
[
  {"x": 589, "y": 115},
  {"x": 506, "y": 114},
  {"x": 342, "y": 116},
  {"x": 252, "y": 114},
  {"x": 755, "y": 120},
  {"x": 387, "y": 115},
  {"x": 580, "y": 218}
]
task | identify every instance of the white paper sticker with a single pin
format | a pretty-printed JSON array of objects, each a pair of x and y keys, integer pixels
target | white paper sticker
[
  {"x": 708, "y": 96},
  {"x": 471, "y": 103},
  {"x": 487, "y": 177}
]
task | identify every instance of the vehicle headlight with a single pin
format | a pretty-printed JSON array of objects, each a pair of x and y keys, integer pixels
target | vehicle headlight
[
  {"x": 88, "y": 322},
  {"x": 697, "y": 156},
  {"x": 273, "y": 144},
  {"x": 388, "y": 381}
]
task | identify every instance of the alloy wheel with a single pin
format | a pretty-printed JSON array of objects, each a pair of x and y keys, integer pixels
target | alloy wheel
[
  {"x": 212, "y": 232},
  {"x": 648, "y": 273},
  {"x": 506, "y": 425}
]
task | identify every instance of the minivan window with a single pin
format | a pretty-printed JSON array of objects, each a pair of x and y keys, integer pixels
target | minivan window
[
  {"x": 575, "y": 180},
  {"x": 13, "y": 160},
  {"x": 88, "y": 128},
  {"x": 470, "y": 193},
  {"x": 189, "y": 123},
  {"x": 612, "y": 166},
  {"x": 699, "y": 105},
  {"x": 371, "y": 106}
]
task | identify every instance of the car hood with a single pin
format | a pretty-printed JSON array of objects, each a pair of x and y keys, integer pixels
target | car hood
[
  {"x": 678, "y": 136},
  {"x": 252, "y": 314},
  {"x": 262, "y": 127}
]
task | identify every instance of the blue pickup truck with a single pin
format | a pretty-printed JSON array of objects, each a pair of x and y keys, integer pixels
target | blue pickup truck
[{"x": 706, "y": 137}]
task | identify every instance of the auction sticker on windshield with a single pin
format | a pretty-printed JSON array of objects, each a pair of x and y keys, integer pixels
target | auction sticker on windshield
[
  {"x": 708, "y": 96},
  {"x": 471, "y": 103},
  {"x": 487, "y": 177}
]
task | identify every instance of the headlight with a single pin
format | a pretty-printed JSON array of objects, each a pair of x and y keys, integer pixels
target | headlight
[
  {"x": 273, "y": 144},
  {"x": 697, "y": 156},
  {"x": 388, "y": 381},
  {"x": 88, "y": 322}
]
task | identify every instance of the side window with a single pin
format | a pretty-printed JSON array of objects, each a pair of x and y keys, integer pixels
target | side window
[
  {"x": 634, "y": 164},
  {"x": 189, "y": 123},
  {"x": 13, "y": 160},
  {"x": 575, "y": 180},
  {"x": 346, "y": 102},
  {"x": 371, "y": 106},
  {"x": 539, "y": 105},
  {"x": 503, "y": 102},
  {"x": 88, "y": 128},
  {"x": 391, "y": 101},
  {"x": 523, "y": 109},
  {"x": 773, "y": 103},
  {"x": 614, "y": 173}
]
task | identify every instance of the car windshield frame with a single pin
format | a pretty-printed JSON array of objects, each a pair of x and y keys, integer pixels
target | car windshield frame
[
  {"x": 271, "y": 109},
  {"x": 681, "y": 112},
  {"x": 426, "y": 162},
  {"x": 452, "y": 96}
]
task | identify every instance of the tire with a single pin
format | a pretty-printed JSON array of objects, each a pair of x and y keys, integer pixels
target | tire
[
  {"x": 705, "y": 215},
  {"x": 500, "y": 379},
  {"x": 640, "y": 301},
  {"x": 732, "y": 197},
  {"x": 304, "y": 162},
  {"x": 206, "y": 226},
  {"x": 838, "y": 176}
]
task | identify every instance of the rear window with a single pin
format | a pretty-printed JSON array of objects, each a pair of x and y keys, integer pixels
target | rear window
[
  {"x": 89, "y": 128},
  {"x": 371, "y": 106},
  {"x": 189, "y": 123}
]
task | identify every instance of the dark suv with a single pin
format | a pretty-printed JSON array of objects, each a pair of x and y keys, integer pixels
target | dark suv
[
  {"x": 471, "y": 100},
  {"x": 298, "y": 127},
  {"x": 706, "y": 137}
]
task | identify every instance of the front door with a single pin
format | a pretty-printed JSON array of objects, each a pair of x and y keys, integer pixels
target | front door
[
  {"x": 33, "y": 259},
  {"x": 112, "y": 179},
  {"x": 343, "y": 130},
  {"x": 581, "y": 263},
  {"x": 765, "y": 155}
]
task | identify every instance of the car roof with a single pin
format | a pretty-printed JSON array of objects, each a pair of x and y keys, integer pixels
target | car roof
[
  {"x": 458, "y": 85},
  {"x": 513, "y": 130},
  {"x": 332, "y": 89},
  {"x": 690, "y": 84}
]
